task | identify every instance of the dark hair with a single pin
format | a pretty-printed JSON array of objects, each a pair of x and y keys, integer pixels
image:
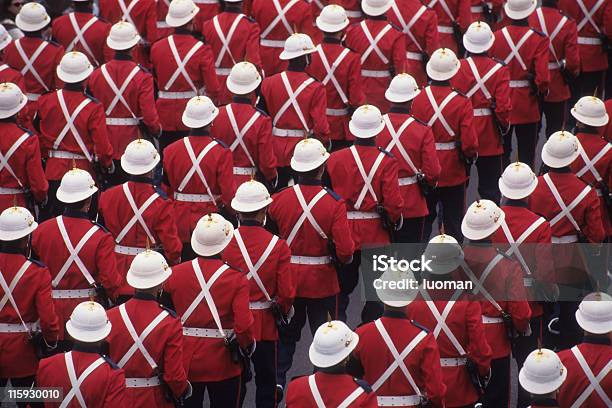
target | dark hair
[{"x": 75, "y": 206}]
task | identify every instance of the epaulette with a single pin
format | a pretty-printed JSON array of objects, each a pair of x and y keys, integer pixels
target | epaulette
[
  {"x": 250, "y": 19},
  {"x": 380, "y": 149},
  {"x": 144, "y": 69},
  {"x": 90, "y": 96},
  {"x": 37, "y": 262},
  {"x": 564, "y": 14},
  {"x": 363, "y": 384},
  {"x": 262, "y": 112},
  {"x": 222, "y": 143},
  {"x": 110, "y": 362},
  {"x": 503, "y": 253},
  {"x": 502, "y": 62},
  {"x": 102, "y": 227},
  {"x": 395, "y": 26},
  {"x": 161, "y": 192},
  {"x": 54, "y": 43},
  {"x": 538, "y": 32},
  {"x": 420, "y": 121},
  {"x": 234, "y": 267},
  {"x": 171, "y": 312},
  {"x": 459, "y": 92},
  {"x": 332, "y": 193},
  {"x": 25, "y": 129},
  {"x": 425, "y": 329}
]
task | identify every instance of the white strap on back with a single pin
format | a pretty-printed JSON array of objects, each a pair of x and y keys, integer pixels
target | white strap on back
[
  {"x": 514, "y": 48},
  {"x": 407, "y": 27},
  {"x": 9, "y": 288},
  {"x": 565, "y": 209},
  {"x": 515, "y": 243},
  {"x": 306, "y": 213},
  {"x": 138, "y": 212},
  {"x": 312, "y": 383},
  {"x": 479, "y": 283},
  {"x": 205, "y": 294},
  {"x": 331, "y": 69},
  {"x": 588, "y": 15},
  {"x": 481, "y": 81},
  {"x": 249, "y": 262},
  {"x": 589, "y": 164},
  {"x": 119, "y": 91},
  {"x": 240, "y": 133},
  {"x": 73, "y": 253},
  {"x": 79, "y": 35},
  {"x": 139, "y": 339},
  {"x": 292, "y": 100},
  {"x": 438, "y": 116},
  {"x": 70, "y": 118},
  {"x": 366, "y": 177},
  {"x": 4, "y": 159},
  {"x": 280, "y": 18},
  {"x": 396, "y": 142},
  {"x": 29, "y": 62},
  {"x": 3, "y": 67},
  {"x": 445, "y": 7},
  {"x": 374, "y": 42},
  {"x": 75, "y": 383},
  {"x": 555, "y": 32},
  {"x": 182, "y": 63},
  {"x": 127, "y": 10},
  {"x": 441, "y": 319},
  {"x": 594, "y": 382},
  {"x": 195, "y": 166},
  {"x": 225, "y": 41}
]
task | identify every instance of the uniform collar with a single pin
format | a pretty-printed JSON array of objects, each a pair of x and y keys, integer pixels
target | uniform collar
[
  {"x": 597, "y": 340},
  {"x": 544, "y": 402},
  {"x": 250, "y": 223},
  {"x": 232, "y": 9},
  {"x": 588, "y": 130},
  {"x": 183, "y": 31},
  {"x": 395, "y": 314},
  {"x": 74, "y": 87},
  {"x": 199, "y": 132},
  {"x": 433, "y": 82},
  {"x": 382, "y": 17},
  {"x": 399, "y": 109},
  {"x": 33, "y": 34},
  {"x": 140, "y": 179},
  {"x": 68, "y": 212},
  {"x": 334, "y": 370},
  {"x": 309, "y": 181},
  {"x": 481, "y": 242},
  {"x": 11, "y": 119},
  {"x": 476, "y": 55},
  {"x": 93, "y": 348},
  {"x": 5, "y": 249},
  {"x": 561, "y": 170},
  {"x": 332, "y": 40},
  {"x": 365, "y": 142},
  {"x": 122, "y": 56},
  {"x": 295, "y": 69},
  {"x": 216, "y": 256},
  {"x": 516, "y": 203},
  {"x": 520, "y": 23},
  {"x": 242, "y": 99},
  {"x": 144, "y": 296}
]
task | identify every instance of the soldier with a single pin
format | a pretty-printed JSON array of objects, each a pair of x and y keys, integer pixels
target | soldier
[
  {"x": 412, "y": 143},
  {"x": 454, "y": 17},
  {"x": 79, "y": 252},
  {"x": 339, "y": 69},
  {"x": 198, "y": 171},
  {"x": 485, "y": 81},
  {"x": 589, "y": 364},
  {"x": 498, "y": 283},
  {"x": 82, "y": 31},
  {"x": 525, "y": 52},
  {"x": 398, "y": 356},
  {"x": 208, "y": 9},
  {"x": 126, "y": 91},
  {"x": 163, "y": 29},
  {"x": 72, "y": 128},
  {"x": 146, "y": 338},
  {"x": 86, "y": 375},
  {"x": 245, "y": 129},
  {"x": 351, "y": 7},
  {"x": 450, "y": 116},
  {"x": 278, "y": 20},
  {"x": 137, "y": 213},
  {"x": 212, "y": 300},
  {"x": 233, "y": 37},
  {"x": 296, "y": 102},
  {"x": 184, "y": 68},
  {"x": 312, "y": 220},
  {"x": 382, "y": 48},
  {"x": 26, "y": 300},
  {"x": 21, "y": 175},
  {"x": 330, "y": 385},
  {"x": 420, "y": 25},
  {"x": 8, "y": 74},
  {"x": 541, "y": 376}
]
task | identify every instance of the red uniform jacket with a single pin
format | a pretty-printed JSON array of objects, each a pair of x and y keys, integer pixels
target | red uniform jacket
[
  {"x": 175, "y": 89},
  {"x": 313, "y": 280},
  {"x": 527, "y": 70},
  {"x": 590, "y": 31},
  {"x": 191, "y": 192},
  {"x": 158, "y": 216},
  {"x": 164, "y": 344},
  {"x": 8, "y": 74},
  {"x": 334, "y": 389},
  {"x": 351, "y": 7},
  {"x": 275, "y": 30},
  {"x": 606, "y": 131},
  {"x": 495, "y": 92},
  {"x": 380, "y": 60},
  {"x": 288, "y": 125},
  {"x": 208, "y": 9},
  {"x": 97, "y": 255},
  {"x": 236, "y": 40},
  {"x": 504, "y": 283},
  {"x": 32, "y": 294},
  {"x": 163, "y": 29},
  {"x": 80, "y": 148},
  {"x": 418, "y": 146},
  {"x": 456, "y": 13},
  {"x": 257, "y": 151},
  {"x": 345, "y": 91},
  {"x": 423, "y": 362},
  {"x": 82, "y": 32},
  {"x": 458, "y": 115},
  {"x": 25, "y": 163},
  {"x": 465, "y": 323},
  {"x": 597, "y": 173},
  {"x": 366, "y": 224},
  {"x": 104, "y": 387},
  {"x": 563, "y": 47},
  {"x": 208, "y": 358},
  {"x": 420, "y": 25},
  {"x": 137, "y": 104},
  {"x": 597, "y": 353}
]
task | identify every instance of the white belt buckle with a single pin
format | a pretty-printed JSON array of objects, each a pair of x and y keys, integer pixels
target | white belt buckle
[
  {"x": 398, "y": 401},
  {"x": 519, "y": 84},
  {"x": 122, "y": 121},
  {"x": 33, "y": 96},
  {"x": 406, "y": 181},
  {"x": 445, "y": 146},
  {"x": 482, "y": 112},
  {"x": 445, "y": 29},
  {"x": 589, "y": 40},
  {"x": 362, "y": 215},
  {"x": 18, "y": 327},
  {"x": 72, "y": 293},
  {"x": 476, "y": 9},
  {"x": 62, "y": 154},
  {"x": 142, "y": 382},
  {"x": 261, "y": 305},
  {"x": 336, "y": 112},
  {"x": 127, "y": 250},
  {"x": 272, "y": 43},
  {"x": 452, "y": 361},
  {"x": 288, "y": 132},
  {"x": 244, "y": 171},
  {"x": 11, "y": 191},
  {"x": 417, "y": 56},
  {"x": 491, "y": 320},
  {"x": 372, "y": 73},
  {"x": 223, "y": 71},
  {"x": 566, "y": 239},
  {"x": 310, "y": 260},
  {"x": 193, "y": 198}
]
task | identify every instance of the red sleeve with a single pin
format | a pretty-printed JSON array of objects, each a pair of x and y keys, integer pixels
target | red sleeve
[
  {"x": 151, "y": 23},
  {"x": 542, "y": 74},
  {"x": 225, "y": 176},
  {"x": 469, "y": 138},
  {"x": 116, "y": 393},
  {"x": 341, "y": 234},
  {"x": 478, "y": 348},
  {"x": 243, "y": 318},
  {"x": 503, "y": 103},
  {"x": 607, "y": 20},
  {"x": 432, "y": 39},
  {"x": 49, "y": 322},
  {"x": 518, "y": 309},
  {"x": 392, "y": 198},
  {"x": 431, "y": 372},
  {"x": 285, "y": 285},
  {"x": 265, "y": 152},
  {"x": 465, "y": 14},
  {"x": 594, "y": 229},
  {"x": 429, "y": 157},
  {"x": 355, "y": 86},
  {"x": 252, "y": 45},
  {"x": 147, "y": 105},
  {"x": 36, "y": 175},
  {"x": 167, "y": 233},
  {"x": 318, "y": 108},
  {"x": 174, "y": 372},
  {"x": 399, "y": 54},
  {"x": 572, "y": 58},
  {"x": 99, "y": 135},
  {"x": 107, "y": 265},
  {"x": 306, "y": 24},
  {"x": 208, "y": 73}
]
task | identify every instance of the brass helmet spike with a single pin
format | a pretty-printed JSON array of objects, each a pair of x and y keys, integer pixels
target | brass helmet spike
[{"x": 329, "y": 320}]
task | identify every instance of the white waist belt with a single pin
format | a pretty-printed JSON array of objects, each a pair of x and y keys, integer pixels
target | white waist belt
[
  {"x": 122, "y": 121},
  {"x": 244, "y": 171},
  {"x": 288, "y": 132},
  {"x": 162, "y": 24},
  {"x": 207, "y": 333},
  {"x": 260, "y": 305},
  {"x": 445, "y": 146},
  {"x": 445, "y": 29},
  {"x": 177, "y": 95},
  {"x": 272, "y": 43},
  {"x": 310, "y": 260},
  {"x": 336, "y": 112},
  {"x": 476, "y": 9},
  {"x": 8, "y": 190},
  {"x": 406, "y": 181},
  {"x": 417, "y": 56},
  {"x": 223, "y": 71},
  {"x": 362, "y": 215},
  {"x": 554, "y": 65},
  {"x": 128, "y": 250},
  {"x": 453, "y": 362},
  {"x": 528, "y": 282},
  {"x": 71, "y": 293},
  {"x": 589, "y": 40},
  {"x": 193, "y": 198},
  {"x": 399, "y": 401},
  {"x": 371, "y": 73},
  {"x": 62, "y": 154},
  {"x": 491, "y": 320},
  {"x": 142, "y": 382},
  {"x": 33, "y": 96},
  {"x": 519, "y": 84},
  {"x": 353, "y": 13},
  {"x": 482, "y": 112},
  {"x": 17, "y": 327},
  {"x": 566, "y": 239}
]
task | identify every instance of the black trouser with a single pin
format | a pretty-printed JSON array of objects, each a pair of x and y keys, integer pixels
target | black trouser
[
  {"x": 526, "y": 141},
  {"x": 221, "y": 394},
  {"x": 23, "y": 382},
  {"x": 264, "y": 362},
  {"x": 556, "y": 114},
  {"x": 284, "y": 175},
  {"x": 170, "y": 136},
  {"x": 348, "y": 279},
  {"x": 490, "y": 169},
  {"x": 497, "y": 394},
  {"x": 524, "y": 345},
  {"x": 411, "y": 231},
  {"x": 452, "y": 200},
  {"x": 187, "y": 253},
  {"x": 316, "y": 310},
  {"x": 119, "y": 176}
]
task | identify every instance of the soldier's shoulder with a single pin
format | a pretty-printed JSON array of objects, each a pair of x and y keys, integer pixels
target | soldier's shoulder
[
  {"x": 499, "y": 61},
  {"x": 144, "y": 69},
  {"x": 37, "y": 262},
  {"x": 262, "y": 112},
  {"x": 250, "y": 19},
  {"x": 420, "y": 326},
  {"x": 538, "y": 32},
  {"x": 420, "y": 122},
  {"x": 162, "y": 194},
  {"x": 221, "y": 143},
  {"x": 170, "y": 311},
  {"x": 54, "y": 43},
  {"x": 234, "y": 267},
  {"x": 102, "y": 227},
  {"x": 110, "y": 362},
  {"x": 385, "y": 152},
  {"x": 332, "y": 193},
  {"x": 504, "y": 254},
  {"x": 363, "y": 384},
  {"x": 395, "y": 26},
  {"x": 461, "y": 94},
  {"x": 92, "y": 98},
  {"x": 26, "y": 130}
]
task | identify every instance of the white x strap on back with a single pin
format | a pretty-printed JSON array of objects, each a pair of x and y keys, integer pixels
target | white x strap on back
[
  {"x": 306, "y": 213},
  {"x": 70, "y": 118},
  {"x": 292, "y": 100},
  {"x": 182, "y": 63},
  {"x": 481, "y": 81},
  {"x": 138, "y": 212},
  {"x": 514, "y": 244},
  {"x": 79, "y": 35},
  {"x": 395, "y": 140},
  {"x": 75, "y": 383},
  {"x": 331, "y": 69},
  {"x": 554, "y": 33},
  {"x": 588, "y": 15},
  {"x": 444, "y": 6},
  {"x": 367, "y": 177},
  {"x": 195, "y": 167},
  {"x": 139, "y": 339},
  {"x": 119, "y": 91},
  {"x": 262, "y": 259},
  {"x": 312, "y": 383},
  {"x": 205, "y": 294},
  {"x": 589, "y": 165},
  {"x": 240, "y": 133},
  {"x": 441, "y": 319},
  {"x": 9, "y": 288},
  {"x": 3, "y": 67},
  {"x": 127, "y": 10},
  {"x": 29, "y": 62},
  {"x": 280, "y": 18},
  {"x": 225, "y": 41},
  {"x": 479, "y": 283},
  {"x": 374, "y": 42},
  {"x": 438, "y": 110},
  {"x": 397, "y": 357},
  {"x": 565, "y": 209},
  {"x": 74, "y": 253},
  {"x": 514, "y": 48},
  {"x": 594, "y": 382},
  {"x": 407, "y": 27},
  {"x": 4, "y": 159}
]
